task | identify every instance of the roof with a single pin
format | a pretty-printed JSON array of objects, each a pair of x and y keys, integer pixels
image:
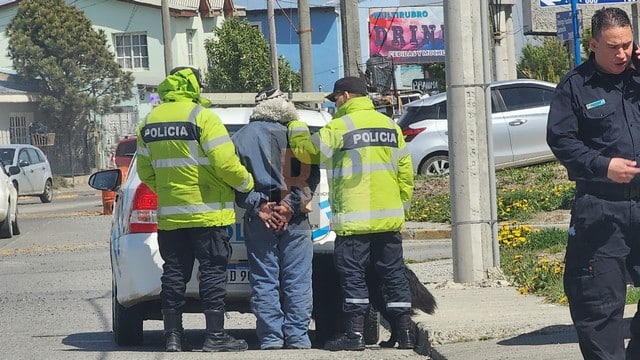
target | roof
[{"x": 177, "y": 7}]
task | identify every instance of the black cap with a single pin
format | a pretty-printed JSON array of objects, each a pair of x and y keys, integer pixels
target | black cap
[{"x": 351, "y": 84}]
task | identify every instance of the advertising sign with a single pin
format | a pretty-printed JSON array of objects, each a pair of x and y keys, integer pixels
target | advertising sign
[{"x": 410, "y": 35}]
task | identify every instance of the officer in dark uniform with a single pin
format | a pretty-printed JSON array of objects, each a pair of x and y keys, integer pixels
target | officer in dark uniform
[{"x": 594, "y": 130}]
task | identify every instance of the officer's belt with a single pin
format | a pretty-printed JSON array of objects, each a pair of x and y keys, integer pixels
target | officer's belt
[{"x": 609, "y": 191}]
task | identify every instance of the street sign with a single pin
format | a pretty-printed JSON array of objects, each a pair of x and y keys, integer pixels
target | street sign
[
  {"x": 424, "y": 85},
  {"x": 545, "y": 3},
  {"x": 564, "y": 24}
]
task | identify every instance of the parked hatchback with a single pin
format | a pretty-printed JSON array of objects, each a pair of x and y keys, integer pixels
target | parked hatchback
[
  {"x": 30, "y": 170},
  {"x": 137, "y": 266},
  {"x": 519, "y": 119}
]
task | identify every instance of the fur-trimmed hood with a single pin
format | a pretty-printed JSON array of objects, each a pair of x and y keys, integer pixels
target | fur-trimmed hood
[{"x": 278, "y": 109}]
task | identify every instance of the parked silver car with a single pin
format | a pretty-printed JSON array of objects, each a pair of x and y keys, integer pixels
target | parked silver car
[
  {"x": 30, "y": 170},
  {"x": 520, "y": 109},
  {"x": 8, "y": 206}
]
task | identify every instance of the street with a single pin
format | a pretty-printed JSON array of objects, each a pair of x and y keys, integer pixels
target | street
[{"x": 56, "y": 293}]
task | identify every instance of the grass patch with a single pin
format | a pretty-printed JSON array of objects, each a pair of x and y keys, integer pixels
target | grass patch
[
  {"x": 532, "y": 258},
  {"x": 59, "y": 182}
]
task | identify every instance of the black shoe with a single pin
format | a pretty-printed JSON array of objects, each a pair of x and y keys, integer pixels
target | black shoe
[
  {"x": 345, "y": 342},
  {"x": 220, "y": 342}
]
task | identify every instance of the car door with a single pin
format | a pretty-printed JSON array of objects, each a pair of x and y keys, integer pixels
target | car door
[
  {"x": 502, "y": 152},
  {"x": 525, "y": 113},
  {"x": 25, "y": 185},
  {"x": 38, "y": 171}
]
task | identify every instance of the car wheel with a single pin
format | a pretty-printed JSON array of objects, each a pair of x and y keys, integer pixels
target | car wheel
[
  {"x": 127, "y": 322},
  {"x": 326, "y": 299},
  {"x": 434, "y": 166},
  {"x": 6, "y": 230},
  {"x": 47, "y": 195},
  {"x": 14, "y": 223}
]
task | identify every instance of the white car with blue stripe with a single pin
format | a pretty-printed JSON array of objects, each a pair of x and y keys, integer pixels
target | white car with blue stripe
[{"x": 135, "y": 258}]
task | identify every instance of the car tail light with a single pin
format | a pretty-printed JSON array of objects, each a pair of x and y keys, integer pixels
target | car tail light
[
  {"x": 410, "y": 133},
  {"x": 144, "y": 212}
]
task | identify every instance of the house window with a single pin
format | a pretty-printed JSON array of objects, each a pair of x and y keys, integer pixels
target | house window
[
  {"x": 19, "y": 127},
  {"x": 190, "y": 35},
  {"x": 131, "y": 51}
]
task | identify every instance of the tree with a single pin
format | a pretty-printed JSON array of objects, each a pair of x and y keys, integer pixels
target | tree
[
  {"x": 437, "y": 72},
  {"x": 548, "y": 61},
  {"x": 54, "y": 46},
  {"x": 238, "y": 60}
]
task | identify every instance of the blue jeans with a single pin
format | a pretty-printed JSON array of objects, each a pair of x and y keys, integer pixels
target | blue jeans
[{"x": 282, "y": 298}]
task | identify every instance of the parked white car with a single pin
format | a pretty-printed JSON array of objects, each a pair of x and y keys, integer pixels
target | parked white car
[
  {"x": 137, "y": 266},
  {"x": 519, "y": 123},
  {"x": 30, "y": 170},
  {"x": 8, "y": 206}
]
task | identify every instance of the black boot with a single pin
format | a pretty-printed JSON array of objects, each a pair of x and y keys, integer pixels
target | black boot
[
  {"x": 352, "y": 339},
  {"x": 217, "y": 339},
  {"x": 405, "y": 334},
  {"x": 392, "y": 339},
  {"x": 173, "y": 331}
]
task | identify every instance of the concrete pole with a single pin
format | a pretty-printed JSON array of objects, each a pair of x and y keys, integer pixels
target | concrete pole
[
  {"x": 166, "y": 36},
  {"x": 491, "y": 166},
  {"x": 304, "y": 33},
  {"x": 466, "y": 109},
  {"x": 275, "y": 75},
  {"x": 350, "y": 36},
  {"x": 503, "y": 42}
]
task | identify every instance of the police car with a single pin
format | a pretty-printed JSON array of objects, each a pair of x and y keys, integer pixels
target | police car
[{"x": 137, "y": 266}]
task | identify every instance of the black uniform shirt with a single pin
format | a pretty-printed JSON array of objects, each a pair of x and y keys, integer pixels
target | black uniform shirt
[{"x": 594, "y": 117}]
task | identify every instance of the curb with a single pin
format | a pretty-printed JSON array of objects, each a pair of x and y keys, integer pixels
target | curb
[{"x": 425, "y": 234}]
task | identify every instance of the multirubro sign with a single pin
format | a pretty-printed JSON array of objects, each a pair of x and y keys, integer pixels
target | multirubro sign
[{"x": 410, "y": 35}]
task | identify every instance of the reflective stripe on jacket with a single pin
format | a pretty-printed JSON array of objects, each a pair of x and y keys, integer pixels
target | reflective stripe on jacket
[
  {"x": 186, "y": 156},
  {"x": 369, "y": 169}
]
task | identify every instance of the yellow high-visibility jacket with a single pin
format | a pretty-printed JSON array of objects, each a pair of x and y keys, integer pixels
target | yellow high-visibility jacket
[
  {"x": 186, "y": 157},
  {"x": 369, "y": 169}
]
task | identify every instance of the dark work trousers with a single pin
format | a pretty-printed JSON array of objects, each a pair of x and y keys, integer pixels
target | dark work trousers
[
  {"x": 179, "y": 249},
  {"x": 603, "y": 248},
  {"x": 352, "y": 255}
]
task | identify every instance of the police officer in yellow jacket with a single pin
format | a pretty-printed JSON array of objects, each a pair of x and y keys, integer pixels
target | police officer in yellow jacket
[
  {"x": 370, "y": 187},
  {"x": 186, "y": 157}
]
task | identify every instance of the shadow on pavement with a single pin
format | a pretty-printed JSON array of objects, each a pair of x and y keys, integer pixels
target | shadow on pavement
[
  {"x": 554, "y": 334},
  {"x": 153, "y": 340}
]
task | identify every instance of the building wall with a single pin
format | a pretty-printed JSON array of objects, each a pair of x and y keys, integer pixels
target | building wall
[
  {"x": 537, "y": 19},
  {"x": 325, "y": 45}
]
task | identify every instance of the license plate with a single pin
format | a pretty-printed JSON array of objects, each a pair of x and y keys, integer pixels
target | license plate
[{"x": 237, "y": 274}]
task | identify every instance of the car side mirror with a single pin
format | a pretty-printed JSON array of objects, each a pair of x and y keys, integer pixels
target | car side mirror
[
  {"x": 14, "y": 170},
  {"x": 106, "y": 180},
  {"x": 24, "y": 163}
]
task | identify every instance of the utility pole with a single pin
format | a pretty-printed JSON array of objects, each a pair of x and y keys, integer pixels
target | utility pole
[
  {"x": 350, "y": 36},
  {"x": 166, "y": 36},
  {"x": 304, "y": 34},
  {"x": 275, "y": 76},
  {"x": 471, "y": 221}
]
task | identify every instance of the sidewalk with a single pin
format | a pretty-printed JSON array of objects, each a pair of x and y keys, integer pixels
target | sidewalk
[{"x": 488, "y": 320}]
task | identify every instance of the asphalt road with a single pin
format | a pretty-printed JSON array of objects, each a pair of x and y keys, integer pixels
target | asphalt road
[{"x": 56, "y": 293}]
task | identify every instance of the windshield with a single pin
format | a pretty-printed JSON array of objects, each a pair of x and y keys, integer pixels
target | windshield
[{"x": 6, "y": 155}]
